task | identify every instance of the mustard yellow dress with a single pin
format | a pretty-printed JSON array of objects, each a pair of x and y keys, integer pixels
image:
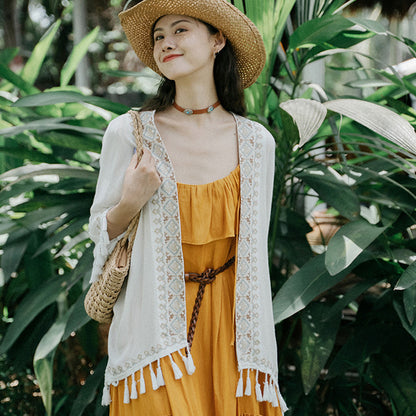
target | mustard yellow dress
[{"x": 209, "y": 223}]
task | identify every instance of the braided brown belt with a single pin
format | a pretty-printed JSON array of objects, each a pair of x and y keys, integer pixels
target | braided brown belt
[{"x": 204, "y": 278}]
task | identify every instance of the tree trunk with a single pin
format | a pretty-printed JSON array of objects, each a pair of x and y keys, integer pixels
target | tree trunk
[
  {"x": 8, "y": 17},
  {"x": 80, "y": 22}
]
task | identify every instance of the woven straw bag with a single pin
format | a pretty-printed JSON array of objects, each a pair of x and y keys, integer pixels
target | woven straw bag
[{"x": 103, "y": 293}]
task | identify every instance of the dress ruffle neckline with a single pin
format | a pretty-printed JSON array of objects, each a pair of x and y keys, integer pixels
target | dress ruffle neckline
[{"x": 208, "y": 211}]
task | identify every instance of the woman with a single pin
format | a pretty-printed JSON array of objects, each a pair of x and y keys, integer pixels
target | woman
[{"x": 192, "y": 332}]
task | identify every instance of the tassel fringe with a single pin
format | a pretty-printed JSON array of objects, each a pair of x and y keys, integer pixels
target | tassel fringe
[
  {"x": 142, "y": 383},
  {"x": 106, "y": 399},
  {"x": 259, "y": 395},
  {"x": 248, "y": 384},
  {"x": 159, "y": 376},
  {"x": 176, "y": 370},
  {"x": 188, "y": 361},
  {"x": 126, "y": 392},
  {"x": 133, "y": 394},
  {"x": 155, "y": 384},
  {"x": 239, "y": 392},
  {"x": 271, "y": 392}
]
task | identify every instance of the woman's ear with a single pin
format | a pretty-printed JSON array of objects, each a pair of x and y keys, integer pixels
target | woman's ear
[{"x": 219, "y": 41}]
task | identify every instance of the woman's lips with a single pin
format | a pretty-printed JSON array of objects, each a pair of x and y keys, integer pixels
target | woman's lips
[{"x": 170, "y": 57}]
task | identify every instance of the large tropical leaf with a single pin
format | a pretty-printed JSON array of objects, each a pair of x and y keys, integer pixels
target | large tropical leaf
[
  {"x": 378, "y": 119},
  {"x": 62, "y": 96},
  {"x": 304, "y": 286},
  {"x": 33, "y": 66},
  {"x": 397, "y": 379},
  {"x": 408, "y": 278},
  {"x": 43, "y": 359},
  {"x": 318, "y": 339},
  {"x": 348, "y": 243},
  {"x": 76, "y": 56}
]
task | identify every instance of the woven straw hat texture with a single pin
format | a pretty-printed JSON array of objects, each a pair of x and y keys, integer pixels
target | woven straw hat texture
[{"x": 240, "y": 31}]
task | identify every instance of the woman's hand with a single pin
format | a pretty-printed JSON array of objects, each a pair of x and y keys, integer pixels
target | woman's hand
[{"x": 141, "y": 181}]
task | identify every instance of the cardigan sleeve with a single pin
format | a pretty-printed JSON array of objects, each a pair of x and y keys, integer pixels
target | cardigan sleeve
[{"x": 117, "y": 149}]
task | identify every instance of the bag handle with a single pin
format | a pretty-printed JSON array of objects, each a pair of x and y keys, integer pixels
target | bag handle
[{"x": 138, "y": 134}]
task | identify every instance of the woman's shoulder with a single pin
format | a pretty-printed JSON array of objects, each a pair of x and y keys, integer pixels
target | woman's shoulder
[
  {"x": 124, "y": 123},
  {"x": 262, "y": 133}
]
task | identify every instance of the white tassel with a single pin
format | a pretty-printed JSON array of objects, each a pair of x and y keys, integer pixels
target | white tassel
[
  {"x": 259, "y": 396},
  {"x": 133, "y": 394},
  {"x": 275, "y": 401},
  {"x": 266, "y": 391},
  {"x": 240, "y": 386},
  {"x": 283, "y": 405},
  {"x": 188, "y": 361},
  {"x": 106, "y": 399},
  {"x": 176, "y": 370},
  {"x": 142, "y": 383},
  {"x": 126, "y": 392},
  {"x": 155, "y": 385},
  {"x": 248, "y": 384},
  {"x": 159, "y": 376}
]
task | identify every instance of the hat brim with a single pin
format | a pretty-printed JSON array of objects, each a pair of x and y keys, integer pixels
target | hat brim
[{"x": 240, "y": 31}]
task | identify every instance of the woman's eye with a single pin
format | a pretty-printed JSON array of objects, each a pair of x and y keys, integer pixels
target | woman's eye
[
  {"x": 159, "y": 37},
  {"x": 180, "y": 30}
]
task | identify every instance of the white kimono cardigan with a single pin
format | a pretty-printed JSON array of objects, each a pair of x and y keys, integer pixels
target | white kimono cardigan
[{"x": 150, "y": 314}]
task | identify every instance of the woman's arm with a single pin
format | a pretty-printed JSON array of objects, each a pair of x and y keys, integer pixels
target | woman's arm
[{"x": 141, "y": 181}]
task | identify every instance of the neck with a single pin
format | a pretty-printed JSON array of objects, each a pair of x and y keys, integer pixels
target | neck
[{"x": 195, "y": 95}]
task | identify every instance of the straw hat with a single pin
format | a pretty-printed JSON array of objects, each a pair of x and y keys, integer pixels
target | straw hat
[{"x": 240, "y": 31}]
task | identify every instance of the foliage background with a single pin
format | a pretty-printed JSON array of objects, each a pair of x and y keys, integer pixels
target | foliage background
[{"x": 346, "y": 337}]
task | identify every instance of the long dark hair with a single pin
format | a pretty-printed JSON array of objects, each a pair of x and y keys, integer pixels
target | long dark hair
[{"x": 227, "y": 82}]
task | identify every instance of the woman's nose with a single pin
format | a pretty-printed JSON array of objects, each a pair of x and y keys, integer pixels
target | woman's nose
[{"x": 168, "y": 43}]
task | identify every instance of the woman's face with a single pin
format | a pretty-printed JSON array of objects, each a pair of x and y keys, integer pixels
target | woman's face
[{"x": 184, "y": 46}]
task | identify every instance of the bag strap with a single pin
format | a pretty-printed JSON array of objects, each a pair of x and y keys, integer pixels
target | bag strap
[{"x": 138, "y": 134}]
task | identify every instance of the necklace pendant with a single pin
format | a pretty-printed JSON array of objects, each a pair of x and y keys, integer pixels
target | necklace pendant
[
  {"x": 188, "y": 112},
  {"x": 210, "y": 109}
]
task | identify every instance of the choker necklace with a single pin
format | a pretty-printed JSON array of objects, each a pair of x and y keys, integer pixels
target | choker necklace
[{"x": 190, "y": 112}]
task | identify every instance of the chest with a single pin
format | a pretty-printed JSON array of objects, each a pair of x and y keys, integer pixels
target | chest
[{"x": 201, "y": 155}]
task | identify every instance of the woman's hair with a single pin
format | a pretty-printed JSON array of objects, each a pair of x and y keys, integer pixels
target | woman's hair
[{"x": 227, "y": 82}]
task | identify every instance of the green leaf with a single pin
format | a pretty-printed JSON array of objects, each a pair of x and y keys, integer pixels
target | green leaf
[
  {"x": 16, "y": 80},
  {"x": 63, "y": 171},
  {"x": 351, "y": 295},
  {"x": 32, "y": 68},
  {"x": 318, "y": 31},
  {"x": 45, "y": 125},
  {"x": 77, "y": 54},
  {"x": 397, "y": 379},
  {"x": 360, "y": 345},
  {"x": 367, "y": 83},
  {"x": 371, "y": 25},
  {"x": 69, "y": 230},
  {"x": 318, "y": 339},
  {"x": 348, "y": 243},
  {"x": 33, "y": 303},
  {"x": 44, "y": 375},
  {"x": 407, "y": 279},
  {"x": 43, "y": 359},
  {"x": 7, "y": 55},
  {"x": 331, "y": 189},
  {"x": 89, "y": 391},
  {"x": 409, "y": 302},
  {"x": 303, "y": 287},
  {"x": 71, "y": 141},
  {"x": 78, "y": 317},
  {"x": 13, "y": 252},
  {"x": 57, "y": 97},
  {"x": 401, "y": 311}
]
